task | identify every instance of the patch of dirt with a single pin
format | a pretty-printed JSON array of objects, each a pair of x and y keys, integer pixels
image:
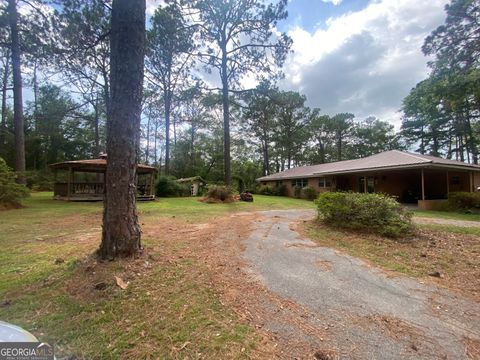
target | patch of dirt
[
  {"x": 10, "y": 206},
  {"x": 472, "y": 348},
  {"x": 324, "y": 265},
  {"x": 219, "y": 245},
  {"x": 96, "y": 279}
]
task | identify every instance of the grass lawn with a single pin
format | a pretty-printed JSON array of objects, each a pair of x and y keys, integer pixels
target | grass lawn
[
  {"x": 52, "y": 286},
  {"x": 447, "y": 215}
]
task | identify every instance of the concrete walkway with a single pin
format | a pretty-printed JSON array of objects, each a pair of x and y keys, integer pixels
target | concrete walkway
[{"x": 365, "y": 313}]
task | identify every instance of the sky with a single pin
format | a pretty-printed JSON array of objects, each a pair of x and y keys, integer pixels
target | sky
[{"x": 357, "y": 56}]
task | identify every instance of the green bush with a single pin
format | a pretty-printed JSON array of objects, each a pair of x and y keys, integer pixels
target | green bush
[
  {"x": 11, "y": 193},
  {"x": 377, "y": 213},
  {"x": 266, "y": 190},
  {"x": 281, "y": 190},
  {"x": 219, "y": 193},
  {"x": 167, "y": 186},
  {"x": 40, "y": 180},
  {"x": 464, "y": 201},
  {"x": 309, "y": 193},
  {"x": 297, "y": 192}
]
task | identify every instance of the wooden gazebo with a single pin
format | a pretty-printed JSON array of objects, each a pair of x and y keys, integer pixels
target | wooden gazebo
[{"x": 78, "y": 186}]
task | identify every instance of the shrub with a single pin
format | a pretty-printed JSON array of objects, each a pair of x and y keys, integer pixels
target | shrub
[
  {"x": 297, "y": 192},
  {"x": 464, "y": 201},
  {"x": 281, "y": 190},
  {"x": 377, "y": 213},
  {"x": 309, "y": 193},
  {"x": 11, "y": 193},
  {"x": 167, "y": 186},
  {"x": 219, "y": 193},
  {"x": 266, "y": 190},
  {"x": 40, "y": 180}
]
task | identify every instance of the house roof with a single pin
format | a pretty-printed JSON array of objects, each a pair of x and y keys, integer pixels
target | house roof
[
  {"x": 96, "y": 165},
  {"x": 388, "y": 160}
]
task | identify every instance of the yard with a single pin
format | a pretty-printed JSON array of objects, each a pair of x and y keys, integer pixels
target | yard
[
  {"x": 445, "y": 249},
  {"x": 52, "y": 286},
  {"x": 189, "y": 295}
]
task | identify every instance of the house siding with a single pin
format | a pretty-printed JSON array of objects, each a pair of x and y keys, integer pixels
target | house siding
[{"x": 404, "y": 185}]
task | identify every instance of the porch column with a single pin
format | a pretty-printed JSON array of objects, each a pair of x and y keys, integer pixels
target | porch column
[
  {"x": 470, "y": 178},
  {"x": 69, "y": 182},
  {"x": 365, "y": 187},
  {"x": 448, "y": 185},
  {"x": 423, "y": 186}
]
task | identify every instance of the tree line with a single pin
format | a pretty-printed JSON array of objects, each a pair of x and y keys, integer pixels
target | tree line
[
  {"x": 441, "y": 114},
  {"x": 198, "y": 117}
]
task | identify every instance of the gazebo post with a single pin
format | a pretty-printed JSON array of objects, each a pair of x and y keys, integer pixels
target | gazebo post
[
  {"x": 152, "y": 176},
  {"x": 423, "y": 186},
  {"x": 69, "y": 182}
]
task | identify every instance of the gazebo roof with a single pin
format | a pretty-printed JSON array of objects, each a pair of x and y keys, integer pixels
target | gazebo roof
[
  {"x": 191, "y": 179},
  {"x": 96, "y": 165}
]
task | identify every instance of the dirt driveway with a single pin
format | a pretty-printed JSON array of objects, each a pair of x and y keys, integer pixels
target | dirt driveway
[{"x": 362, "y": 312}]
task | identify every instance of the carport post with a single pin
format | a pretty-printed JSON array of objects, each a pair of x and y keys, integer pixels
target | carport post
[
  {"x": 470, "y": 178},
  {"x": 423, "y": 186},
  {"x": 448, "y": 185},
  {"x": 69, "y": 183}
]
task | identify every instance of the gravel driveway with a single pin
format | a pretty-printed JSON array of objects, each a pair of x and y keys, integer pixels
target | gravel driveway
[{"x": 366, "y": 313}]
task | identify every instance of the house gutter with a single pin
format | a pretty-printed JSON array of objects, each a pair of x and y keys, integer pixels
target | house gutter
[{"x": 426, "y": 165}]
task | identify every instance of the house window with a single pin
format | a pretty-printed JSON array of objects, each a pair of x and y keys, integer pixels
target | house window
[
  {"x": 455, "y": 180},
  {"x": 324, "y": 182},
  {"x": 300, "y": 182}
]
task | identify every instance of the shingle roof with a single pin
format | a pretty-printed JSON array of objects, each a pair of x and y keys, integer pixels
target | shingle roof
[
  {"x": 393, "y": 159},
  {"x": 96, "y": 164}
]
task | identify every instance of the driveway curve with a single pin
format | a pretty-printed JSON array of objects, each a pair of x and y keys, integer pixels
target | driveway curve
[{"x": 366, "y": 313}]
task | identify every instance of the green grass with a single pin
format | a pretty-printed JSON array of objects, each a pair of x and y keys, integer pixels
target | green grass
[
  {"x": 170, "y": 311},
  {"x": 197, "y": 211},
  {"x": 462, "y": 230},
  {"x": 446, "y": 215}
]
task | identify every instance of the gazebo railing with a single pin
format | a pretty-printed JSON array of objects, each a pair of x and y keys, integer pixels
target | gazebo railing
[
  {"x": 79, "y": 189},
  {"x": 91, "y": 189}
]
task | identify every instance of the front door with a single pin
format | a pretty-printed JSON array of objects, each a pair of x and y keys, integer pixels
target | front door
[{"x": 370, "y": 184}]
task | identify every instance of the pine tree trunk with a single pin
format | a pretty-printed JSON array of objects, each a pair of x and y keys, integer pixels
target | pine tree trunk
[
  {"x": 3, "y": 127},
  {"x": 166, "y": 94},
  {"x": 227, "y": 177},
  {"x": 121, "y": 231},
  {"x": 17, "y": 94}
]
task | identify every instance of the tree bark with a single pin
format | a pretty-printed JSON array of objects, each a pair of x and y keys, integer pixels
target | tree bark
[
  {"x": 147, "y": 151},
  {"x": 166, "y": 94},
  {"x": 6, "y": 73},
  {"x": 18, "y": 122},
  {"x": 227, "y": 177},
  {"x": 121, "y": 230}
]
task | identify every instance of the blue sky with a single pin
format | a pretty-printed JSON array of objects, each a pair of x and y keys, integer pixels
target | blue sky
[
  {"x": 312, "y": 14},
  {"x": 359, "y": 56}
]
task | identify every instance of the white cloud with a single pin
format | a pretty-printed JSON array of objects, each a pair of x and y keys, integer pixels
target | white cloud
[
  {"x": 364, "y": 62},
  {"x": 152, "y": 5},
  {"x": 334, "y": 2}
]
